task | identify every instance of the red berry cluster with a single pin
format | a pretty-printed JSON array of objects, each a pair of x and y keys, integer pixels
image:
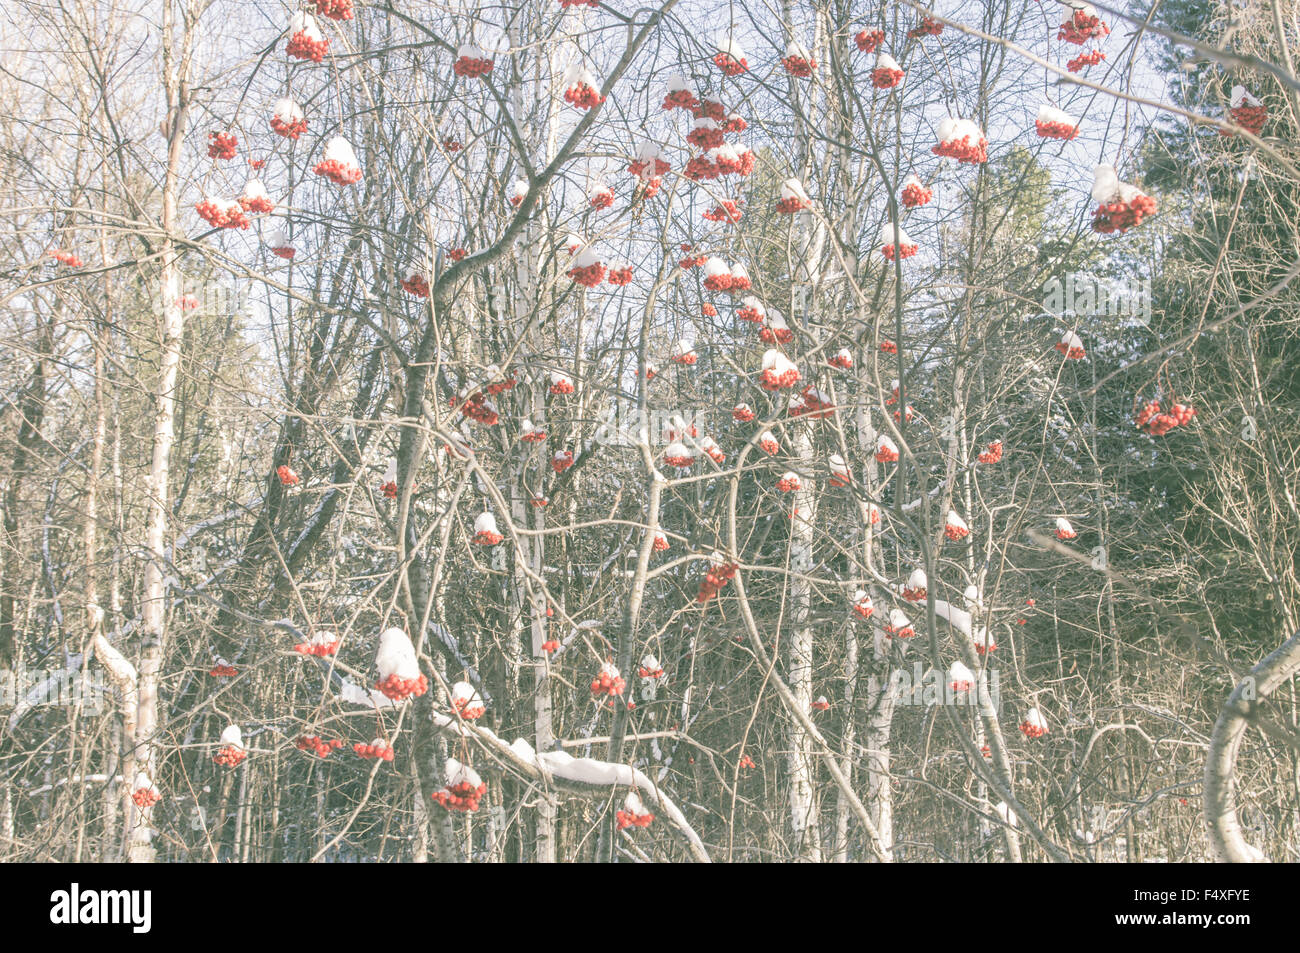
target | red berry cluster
[
  {"x": 582, "y": 96},
  {"x": 911, "y": 413},
  {"x": 472, "y": 67},
  {"x": 321, "y": 748},
  {"x": 319, "y": 649},
  {"x": 416, "y": 285},
  {"x": 927, "y": 27},
  {"x": 711, "y": 109},
  {"x": 290, "y": 130},
  {"x": 916, "y": 195},
  {"x": 1250, "y": 118},
  {"x": 486, "y": 538},
  {"x": 223, "y": 671},
  {"x": 955, "y": 533},
  {"x": 607, "y": 685},
  {"x": 789, "y": 484},
  {"x": 378, "y": 751},
  {"x": 964, "y": 150},
  {"x": 335, "y": 9},
  {"x": 776, "y": 335},
  {"x": 641, "y": 169},
  {"x": 469, "y": 708},
  {"x": 798, "y": 66},
  {"x": 389, "y": 489},
  {"x": 1071, "y": 352},
  {"x": 229, "y": 756},
  {"x": 902, "y": 631},
  {"x": 1055, "y": 130},
  {"x": 714, "y": 580},
  {"x": 218, "y": 217},
  {"x": 588, "y": 275},
  {"x": 869, "y": 40},
  {"x": 791, "y": 205},
  {"x": 680, "y": 462},
  {"x": 843, "y": 361},
  {"x": 287, "y": 475},
  {"x": 479, "y": 409},
  {"x": 813, "y": 406},
  {"x": 769, "y": 446},
  {"x": 259, "y": 205},
  {"x": 456, "y": 254},
  {"x": 660, "y": 544},
  {"x": 907, "y": 251},
  {"x": 706, "y": 137},
  {"x": 772, "y": 380},
  {"x": 65, "y": 258},
  {"x": 742, "y": 414},
  {"x": 602, "y": 198},
  {"x": 1081, "y": 28},
  {"x": 400, "y": 689},
  {"x": 885, "y": 78},
  {"x": 303, "y": 47},
  {"x": 746, "y": 762},
  {"x": 992, "y": 453},
  {"x": 562, "y": 387},
  {"x": 626, "y": 819},
  {"x": 689, "y": 358},
  {"x": 1032, "y": 731},
  {"x": 464, "y": 797},
  {"x": 337, "y": 172},
  {"x": 551, "y": 646},
  {"x": 1121, "y": 216},
  {"x": 730, "y": 65},
  {"x": 820, "y": 704},
  {"x": 145, "y": 797},
  {"x": 725, "y": 211},
  {"x": 1085, "y": 59},
  {"x": 747, "y": 313},
  {"x": 533, "y": 436},
  {"x": 1157, "y": 422},
  {"x": 563, "y": 459},
  {"x": 701, "y": 168},
  {"x": 864, "y": 609},
  {"x": 886, "y": 454},
  {"x": 222, "y": 145},
  {"x": 914, "y": 594},
  {"x": 680, "y": 99},
  {"x": 719, "y": 282}
]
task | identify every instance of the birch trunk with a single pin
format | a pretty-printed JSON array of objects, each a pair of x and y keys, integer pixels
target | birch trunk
[
  {"x": 153, "y": 608},
  {"x": 803, "y": 806}
]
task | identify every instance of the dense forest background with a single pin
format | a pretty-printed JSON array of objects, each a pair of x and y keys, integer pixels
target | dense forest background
[{"x": 241, "y": 443}]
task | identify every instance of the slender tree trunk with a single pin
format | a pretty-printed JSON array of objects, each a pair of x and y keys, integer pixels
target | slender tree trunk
[
  {"x": 153, "y": 609},
  {"x": 804, "y": 822}
]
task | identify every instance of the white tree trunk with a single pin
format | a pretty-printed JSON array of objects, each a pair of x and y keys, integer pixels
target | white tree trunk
[
  {"x": 804, "y": 824},
  {"x": 153, "y": 608}
]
